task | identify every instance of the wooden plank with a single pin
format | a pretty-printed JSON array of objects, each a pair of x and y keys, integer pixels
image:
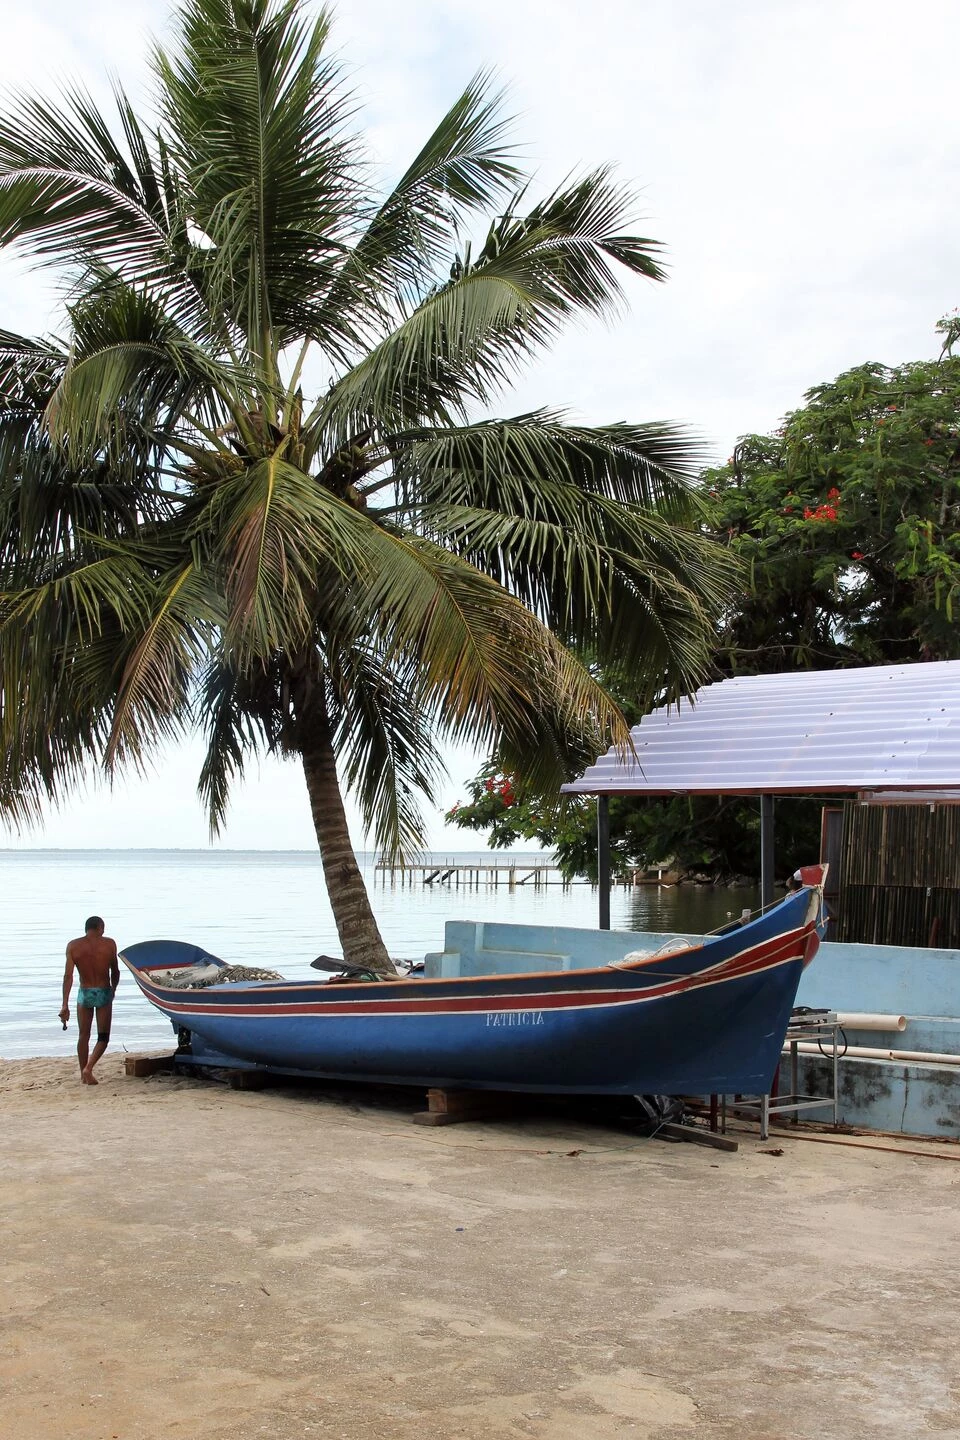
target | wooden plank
[
  {"x": 441, "y": 1101},
  {"x": 490, "y": 1109},
  {"x": 453, "y": 1107},
  {"x": 436, "y": 1117},
  {"x": 248, "y": 1079},
  {"x": 140, "y": 1066},
  {"x": 699, "y": 1137}
]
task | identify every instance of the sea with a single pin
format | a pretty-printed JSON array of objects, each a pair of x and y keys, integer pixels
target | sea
[{"x": 268, "y": 908}]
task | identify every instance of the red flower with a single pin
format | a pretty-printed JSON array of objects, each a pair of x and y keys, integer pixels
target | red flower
[
  {"x": 856, "y": 554},
  {"x": 833, "y": 494},
  {"x": 489, "y": 787},
  {"x": 788, "y": 510},
  {"x": 928, "y": 442}
]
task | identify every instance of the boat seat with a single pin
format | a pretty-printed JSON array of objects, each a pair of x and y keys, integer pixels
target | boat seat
[{"x": 343, "y": 970}]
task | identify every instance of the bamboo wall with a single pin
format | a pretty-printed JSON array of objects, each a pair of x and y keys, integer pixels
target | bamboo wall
[{"x": 900, "y": 875}]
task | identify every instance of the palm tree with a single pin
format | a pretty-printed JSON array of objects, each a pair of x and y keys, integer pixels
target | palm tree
[{"x": 187, "y": 539}]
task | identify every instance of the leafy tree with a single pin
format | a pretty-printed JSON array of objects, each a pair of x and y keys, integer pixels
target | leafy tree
[
  {"x": 188, "y": 538},
  {"x": 845, "y": 522}
]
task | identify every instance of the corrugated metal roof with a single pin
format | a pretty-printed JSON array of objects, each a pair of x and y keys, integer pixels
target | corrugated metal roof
[{"x": 885, "y": 727}]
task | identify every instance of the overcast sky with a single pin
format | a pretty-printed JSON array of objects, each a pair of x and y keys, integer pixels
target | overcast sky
[{"x": 798, "y": 158}]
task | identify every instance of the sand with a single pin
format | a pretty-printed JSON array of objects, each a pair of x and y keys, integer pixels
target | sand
[{"x": 182, "y": 1259}]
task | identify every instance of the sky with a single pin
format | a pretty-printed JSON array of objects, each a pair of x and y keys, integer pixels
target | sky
[{"x": 798, "y": 158}]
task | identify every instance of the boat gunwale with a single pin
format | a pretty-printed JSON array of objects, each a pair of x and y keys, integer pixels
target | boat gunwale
[
  {"x": 578, "y": 999},
  {"x": 381, "y": 990}
]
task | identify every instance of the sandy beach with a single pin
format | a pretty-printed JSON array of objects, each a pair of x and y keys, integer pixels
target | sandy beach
[{"x": 182, "y": 1259}]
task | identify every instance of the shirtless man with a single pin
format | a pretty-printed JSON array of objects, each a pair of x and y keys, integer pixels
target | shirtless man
[{"x": 94, "y": 956}]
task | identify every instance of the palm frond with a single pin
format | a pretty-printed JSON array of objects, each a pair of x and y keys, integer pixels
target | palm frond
[
  {"x": 487, "y": 668},
  {"x": 447, "y": 352},
  {"x": 125, "y": 386},
  {"x": 385, "y": 742},
  {"x": 527, "y": 464},
  {"x": 276, "y": 531},
  {"x": 62, "y": 622},
  {"x": 468, "y": 337},
  {"x": 236, "y": 713},
  {"x": 596, "y": 530},
  {"x": 71, "y": 196},
  {"x": 466, "y": 165},
  {"x": 256, "y": 113},
  {"x": 46, "y": 504},
  {"x": 159, "y": 660}
]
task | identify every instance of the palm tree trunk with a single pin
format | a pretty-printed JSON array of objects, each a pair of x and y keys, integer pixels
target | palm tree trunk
[{"x": 359, "y": 934}]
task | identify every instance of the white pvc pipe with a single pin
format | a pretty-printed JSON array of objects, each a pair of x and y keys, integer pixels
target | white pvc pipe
[
  {"x": 867, "y": 1020},
  {"x": 867, "y": 1052}
]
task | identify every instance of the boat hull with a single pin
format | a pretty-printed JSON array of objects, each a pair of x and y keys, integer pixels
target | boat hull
[{"x": 709, "y": 1019}]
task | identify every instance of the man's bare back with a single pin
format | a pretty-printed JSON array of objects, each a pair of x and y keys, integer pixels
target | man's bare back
[{"x": 94, "y": 957}]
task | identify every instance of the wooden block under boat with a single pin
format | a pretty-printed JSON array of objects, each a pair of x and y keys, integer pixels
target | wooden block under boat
[
  {"x": 140, "y": 1066},
  {"x": 248, "y": 1079},
  {"x": 451, "y": 1107}
]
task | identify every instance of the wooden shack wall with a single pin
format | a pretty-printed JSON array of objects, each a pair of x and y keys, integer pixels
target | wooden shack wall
[{"x": 900, "y": 875}]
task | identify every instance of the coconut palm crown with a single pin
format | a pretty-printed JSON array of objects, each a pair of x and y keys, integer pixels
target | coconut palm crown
[{"x": 353, "y": 575}]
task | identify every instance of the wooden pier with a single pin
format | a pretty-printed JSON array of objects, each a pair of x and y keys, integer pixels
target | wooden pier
[{"x": 473, "y": 873}]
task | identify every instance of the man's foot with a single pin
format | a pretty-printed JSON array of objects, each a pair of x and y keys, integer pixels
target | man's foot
[{"x": 88, "y": 1078}]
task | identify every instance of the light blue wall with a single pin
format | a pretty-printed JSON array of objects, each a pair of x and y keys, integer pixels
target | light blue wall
[{"x": 923, "y": 985}]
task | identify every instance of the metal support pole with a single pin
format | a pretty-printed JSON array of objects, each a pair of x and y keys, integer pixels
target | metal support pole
[
  {"x": 603, "y": 859},
  {"x": 766, "y": 850}
]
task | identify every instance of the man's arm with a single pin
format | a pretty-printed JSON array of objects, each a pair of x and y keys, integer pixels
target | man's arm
[
  {"x": 67, "y": 985},
  {"x": 114, "y": 967}
]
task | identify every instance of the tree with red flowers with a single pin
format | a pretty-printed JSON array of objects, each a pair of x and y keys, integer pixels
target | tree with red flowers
[{"x": 847, "y": 521}]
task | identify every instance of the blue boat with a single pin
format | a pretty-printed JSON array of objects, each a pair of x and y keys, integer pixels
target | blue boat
[{"x": 700, "y": 1019}]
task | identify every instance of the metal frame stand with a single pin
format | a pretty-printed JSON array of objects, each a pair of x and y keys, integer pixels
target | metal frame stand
[{"x": 820, "y": 1026}]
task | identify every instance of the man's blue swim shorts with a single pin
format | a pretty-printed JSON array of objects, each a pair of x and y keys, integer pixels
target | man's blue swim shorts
[{"x": 93, "y": 996}]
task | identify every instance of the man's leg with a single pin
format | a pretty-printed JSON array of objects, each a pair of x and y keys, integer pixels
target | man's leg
[
  {"x": 84, "y": 1021},
  {"x": 104, "y": 1012}
]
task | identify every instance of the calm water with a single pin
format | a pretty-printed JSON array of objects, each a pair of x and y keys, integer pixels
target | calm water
[{"x": 256, "y": 908}]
